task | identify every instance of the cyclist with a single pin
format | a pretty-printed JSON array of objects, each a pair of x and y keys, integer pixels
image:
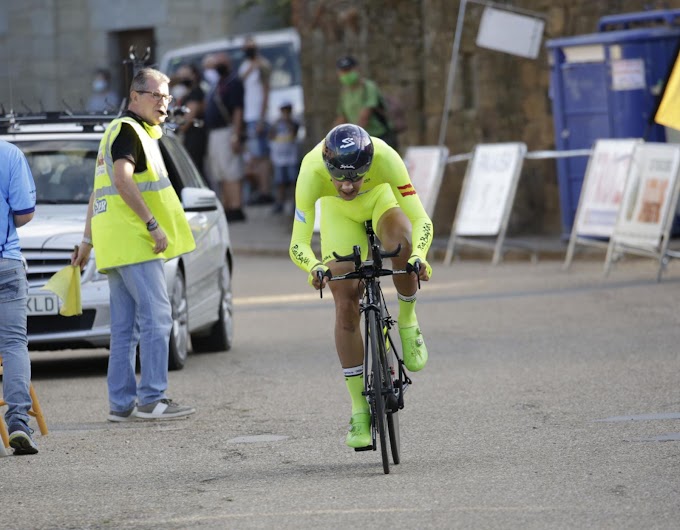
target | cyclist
[{"x": 360, "y": 178}]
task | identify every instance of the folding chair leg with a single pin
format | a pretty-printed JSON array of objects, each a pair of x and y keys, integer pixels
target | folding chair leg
[
  {"x": 36, "y": 412},
  {"x": 3, "y": 434}
]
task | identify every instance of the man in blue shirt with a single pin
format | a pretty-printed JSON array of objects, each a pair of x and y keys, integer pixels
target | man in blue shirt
[{"x": 17, "y": 205}]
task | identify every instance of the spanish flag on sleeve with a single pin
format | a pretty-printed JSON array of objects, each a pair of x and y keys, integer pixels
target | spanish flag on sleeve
[{"x": 669, "y": 108}]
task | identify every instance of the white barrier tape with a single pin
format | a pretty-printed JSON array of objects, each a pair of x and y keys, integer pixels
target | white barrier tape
[
  {"x": 537, "y": 155},
  {"x": 533, "y": 155}
]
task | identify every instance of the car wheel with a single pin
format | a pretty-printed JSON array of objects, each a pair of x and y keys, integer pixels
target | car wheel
[
  {"x": 221, "y": 334},
  {"x": 179, "y": 336}
]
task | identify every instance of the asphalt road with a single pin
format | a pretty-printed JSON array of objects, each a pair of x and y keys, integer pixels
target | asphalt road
[{"x": 551, "y": 400}]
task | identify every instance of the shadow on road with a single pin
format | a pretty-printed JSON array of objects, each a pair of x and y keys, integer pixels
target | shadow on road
[{"x": 69, "y": 363}]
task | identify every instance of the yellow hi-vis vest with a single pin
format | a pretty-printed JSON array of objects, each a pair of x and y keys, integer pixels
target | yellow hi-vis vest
[{"x": 119, "y": 236}]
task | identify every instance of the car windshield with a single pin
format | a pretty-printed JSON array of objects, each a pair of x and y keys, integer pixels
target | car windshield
[
  {"x": 63, "y": 170},
  {"x": 281, "y": 57}
]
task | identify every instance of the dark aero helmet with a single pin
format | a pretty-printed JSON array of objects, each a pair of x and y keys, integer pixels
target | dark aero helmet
[{"x": 347, "y": 152}]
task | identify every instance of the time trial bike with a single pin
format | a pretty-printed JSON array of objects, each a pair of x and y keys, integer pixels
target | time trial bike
[{"x": 385, "y": 377}]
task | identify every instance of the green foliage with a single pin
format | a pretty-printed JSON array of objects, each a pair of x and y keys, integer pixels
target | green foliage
[{"x": 279, "y": 8}]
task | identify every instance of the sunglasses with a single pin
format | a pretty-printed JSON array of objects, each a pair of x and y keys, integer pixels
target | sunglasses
[
  {"x": 343, "y": 174},
  {"x": 356, "y": 177}
]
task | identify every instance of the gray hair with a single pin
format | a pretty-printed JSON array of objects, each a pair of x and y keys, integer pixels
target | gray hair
[{"x": 141, "y": 78}]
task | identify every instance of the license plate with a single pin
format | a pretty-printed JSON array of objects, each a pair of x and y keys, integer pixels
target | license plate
[{"x": 42, "y": 304}]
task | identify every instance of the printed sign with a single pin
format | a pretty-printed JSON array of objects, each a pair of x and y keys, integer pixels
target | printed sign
[
  {"x": 628, "y": 74},
  {"x": 650, "y": 188},
  {"x": 511, "y": 33},
  {"x": 489, "y": 186},
  {"x": 603, "y": 187},
  {"x": 425, "y": 166}
]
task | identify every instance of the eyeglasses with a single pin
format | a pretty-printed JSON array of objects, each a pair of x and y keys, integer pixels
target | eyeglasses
[{"x": 157, "y": 95}]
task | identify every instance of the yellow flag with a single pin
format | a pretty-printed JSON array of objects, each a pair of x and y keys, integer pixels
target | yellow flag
[
  {"x": 66, "y": 285},
  {"x": 669, "y": 109}
]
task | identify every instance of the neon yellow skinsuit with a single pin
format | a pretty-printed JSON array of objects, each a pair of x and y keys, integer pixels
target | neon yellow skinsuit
[{"x": 386, "y": 185}]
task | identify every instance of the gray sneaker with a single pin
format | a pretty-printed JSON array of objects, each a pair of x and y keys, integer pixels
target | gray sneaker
[
  {"x": 127, "y": 415},
  {"x": 163, "y": 409},
  {"x": 20, "y": 439}
]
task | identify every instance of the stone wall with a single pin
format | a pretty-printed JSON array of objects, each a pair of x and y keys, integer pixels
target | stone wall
[
  {"x": 405, "y": 46},
  {"x": 49, "y": 49}
]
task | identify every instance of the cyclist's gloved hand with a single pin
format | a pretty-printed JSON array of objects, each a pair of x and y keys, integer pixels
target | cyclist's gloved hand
[
  {"x": 425, "y": 272},
  {"x": 313, "y": 278}
]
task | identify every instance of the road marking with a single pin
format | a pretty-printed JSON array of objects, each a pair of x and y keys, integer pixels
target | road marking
[
  {"x": 643, "y": 417},
  {"x": 258, "y": 438},
  {"x": 458, "y": 509},
  {"x": 314, "y": 295}
]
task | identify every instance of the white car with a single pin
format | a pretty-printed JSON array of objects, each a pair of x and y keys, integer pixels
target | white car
[{"x": 61, "y": 151}]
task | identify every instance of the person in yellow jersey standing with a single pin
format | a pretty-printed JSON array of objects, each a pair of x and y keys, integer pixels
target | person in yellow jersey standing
[{"x": 135, "y": 222}]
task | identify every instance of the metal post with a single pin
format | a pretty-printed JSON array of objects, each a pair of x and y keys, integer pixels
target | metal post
[{"x": 452, "y": 71}]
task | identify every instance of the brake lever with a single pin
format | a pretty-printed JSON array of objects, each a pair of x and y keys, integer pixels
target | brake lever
[
  {"x": 414, "y": 268},
  {"x": 319, "y": 275}
]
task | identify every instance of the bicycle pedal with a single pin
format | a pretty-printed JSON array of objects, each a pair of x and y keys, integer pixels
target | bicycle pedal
[{"x": 367, "y": 448}]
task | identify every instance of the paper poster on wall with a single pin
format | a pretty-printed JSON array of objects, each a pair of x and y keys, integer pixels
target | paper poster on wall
[
  {"x": 603, "y": 186},
  {"x": 649, "y": 189},
  {"x": 491, "y": 177},
  {"x": 628, "y": 74},
  {"x": 426, "y": 166}
]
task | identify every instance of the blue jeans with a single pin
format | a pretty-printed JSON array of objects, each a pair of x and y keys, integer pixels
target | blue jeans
[
  {"x": 285, "y": 174},
  {"x": 257, "y": 144},
  {"x": 16, "y": 364},
  {"x": 140, "y": 314}
]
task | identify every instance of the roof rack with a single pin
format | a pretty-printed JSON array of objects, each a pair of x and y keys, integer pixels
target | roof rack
[{"x": 12, "y": 122}]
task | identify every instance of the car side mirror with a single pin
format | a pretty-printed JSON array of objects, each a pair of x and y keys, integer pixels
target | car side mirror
[{"x": 199, "y": 200}]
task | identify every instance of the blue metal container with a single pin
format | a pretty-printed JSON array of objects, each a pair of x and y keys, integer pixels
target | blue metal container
[{"x": 607, "y": 85}]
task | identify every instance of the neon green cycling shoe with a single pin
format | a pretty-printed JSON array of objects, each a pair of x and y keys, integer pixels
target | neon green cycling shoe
[
  {"x": 359, "y": 434},
  {"x": 413, "y": 347}
]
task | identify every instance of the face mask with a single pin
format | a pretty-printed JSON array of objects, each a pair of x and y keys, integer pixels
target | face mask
[
  {"x": 99, "y": 85},
  {"x": 250, "y": 52},
  {"x": 349, "y": 78},
  {"x": 222, "y": 70},
  {"x": 211, "y": 76},
  {"x": 179, "y": 91}
]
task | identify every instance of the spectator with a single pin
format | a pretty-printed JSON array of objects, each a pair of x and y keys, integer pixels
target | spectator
[
  {"x": 188, "y": 93},
  {"x": 103, "y": 98},
  {"x": 210, "y": 75},
  {"x": 359, "y": 101},
  {"x": 255, "y": 72},
  {"x": 224, "y": 123},
  {"x": 134, "y": 232},
  {"x": 284, "y": 154},
  {"x": 17, "y": 205}
]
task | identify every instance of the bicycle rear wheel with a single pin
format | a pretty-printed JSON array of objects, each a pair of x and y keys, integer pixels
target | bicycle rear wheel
[
  {"x": 393, "y": 430},
  {"x": 394, "y": 384},
  {"x": 377, "y": 346}
]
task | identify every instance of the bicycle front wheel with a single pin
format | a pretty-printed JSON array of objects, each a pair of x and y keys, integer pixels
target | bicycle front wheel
[{"x": 377, "y": 345}]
